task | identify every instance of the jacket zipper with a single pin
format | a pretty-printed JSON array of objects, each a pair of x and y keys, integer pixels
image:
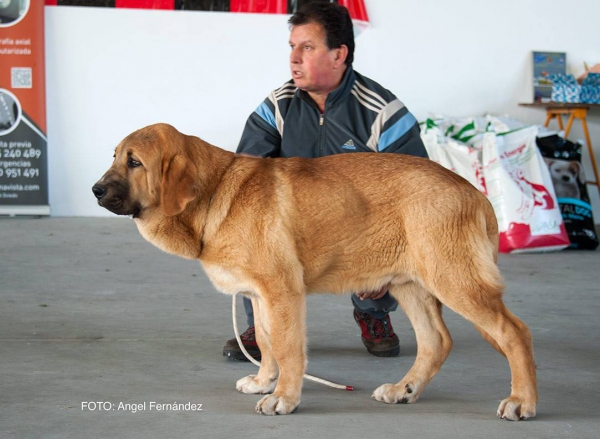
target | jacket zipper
[{"x": 321, "y": 136}]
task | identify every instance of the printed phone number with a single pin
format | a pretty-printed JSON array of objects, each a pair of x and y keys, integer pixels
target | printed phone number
[
  {"x": 29, "y": 153},
  {"x": 19, "y": 172}
]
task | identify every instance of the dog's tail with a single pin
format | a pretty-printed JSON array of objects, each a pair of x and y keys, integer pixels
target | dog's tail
[
  {"x": 485, "y": 254},
  {"x": 486, "y": 250},
  {"x": 493, "y": 234}
]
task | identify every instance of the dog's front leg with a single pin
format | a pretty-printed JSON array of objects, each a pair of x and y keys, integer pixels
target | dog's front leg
[
  {"x": 285, "y": 312},
  {"x": 266, "y": 379}
]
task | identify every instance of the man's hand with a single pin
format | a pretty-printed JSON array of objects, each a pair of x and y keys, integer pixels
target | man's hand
[{"x": 378, "y": 294}]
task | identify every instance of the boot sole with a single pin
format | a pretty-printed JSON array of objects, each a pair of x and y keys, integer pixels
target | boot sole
[
  {"x": 390, "y": 353},
  {"x": 239, "y": 355}
]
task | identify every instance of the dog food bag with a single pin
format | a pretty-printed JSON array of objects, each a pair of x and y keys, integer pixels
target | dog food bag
[
  {"x": 454, "y": 155},
  {"x": 433, "y": 139},
  {"x": 520, "y": 189},
  {"x": 466, "y": 162},
  {"x": 564, "y": 163}
]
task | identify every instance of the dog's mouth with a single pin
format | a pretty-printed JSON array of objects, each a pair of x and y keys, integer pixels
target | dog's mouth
[
  {"x": 136, "y": 213},
  {"x": 119, "y": 207},
  {"x": 114, "y": 198}
]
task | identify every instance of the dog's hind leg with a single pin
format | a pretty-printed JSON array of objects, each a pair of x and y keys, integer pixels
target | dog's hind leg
[
  {"x": 490, "y": 340},
  {"x": 481, "y": 304},
  {"x": 433, "y": 343},
  {"x": 514, "y": 340},
  {"x": 266, "y": 378}
]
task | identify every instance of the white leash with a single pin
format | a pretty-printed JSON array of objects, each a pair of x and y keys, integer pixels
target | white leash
[{"x": 249, "y": 357}]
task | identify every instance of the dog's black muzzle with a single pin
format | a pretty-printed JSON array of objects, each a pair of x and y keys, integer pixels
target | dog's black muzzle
[{"x": 113, "y": 195}]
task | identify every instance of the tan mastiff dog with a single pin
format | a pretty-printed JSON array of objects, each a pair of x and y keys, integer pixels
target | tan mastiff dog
[{"x": 278, "y": 229}]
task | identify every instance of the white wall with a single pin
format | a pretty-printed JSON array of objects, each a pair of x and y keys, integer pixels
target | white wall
[{"x": 110, "y": 72}]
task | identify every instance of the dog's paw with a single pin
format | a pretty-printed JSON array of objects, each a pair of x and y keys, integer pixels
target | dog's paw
[
  {"x": 277, "y": 405},
  {"x": 514, "y": 408},
  {"x": 250, "y": 384},
  {"x": 400, "y": 393}
]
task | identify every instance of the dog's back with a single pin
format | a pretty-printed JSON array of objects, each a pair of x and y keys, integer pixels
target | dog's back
[{"x": 348, "y": 214}]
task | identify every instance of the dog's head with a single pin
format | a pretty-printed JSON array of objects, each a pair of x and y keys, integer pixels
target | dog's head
[
  {"x": 565, "y": 171},
  {"x": 151, "y": 171}
]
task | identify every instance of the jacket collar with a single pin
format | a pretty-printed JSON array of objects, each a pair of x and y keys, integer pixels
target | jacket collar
[{"x": 337, "y": 95}]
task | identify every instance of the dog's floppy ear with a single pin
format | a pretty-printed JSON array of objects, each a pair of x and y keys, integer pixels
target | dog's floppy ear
[
  {"x": 178, "y": 185},
  {"x": 577, "y": 171}
]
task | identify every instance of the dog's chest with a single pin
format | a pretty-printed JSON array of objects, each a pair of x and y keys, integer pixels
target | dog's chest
[{"x": 228, "y": 281}]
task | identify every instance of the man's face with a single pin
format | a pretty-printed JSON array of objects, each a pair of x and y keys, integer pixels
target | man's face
[{"x": 315, "y": 68}]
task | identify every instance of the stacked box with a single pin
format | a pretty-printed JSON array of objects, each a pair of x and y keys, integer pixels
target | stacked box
[
  {"x": 590, "y": 89},
  {"x": 565, "y": 88}
]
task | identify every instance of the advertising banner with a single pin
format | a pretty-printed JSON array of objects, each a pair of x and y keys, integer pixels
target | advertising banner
[
  {"x": 23, "y": 143},
  {"x": 357, "y": 9}
]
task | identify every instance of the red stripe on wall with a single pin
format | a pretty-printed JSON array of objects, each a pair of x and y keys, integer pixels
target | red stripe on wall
[
  {"x": 356, "y": 8},
  {"x": 259, "y": 6},
  {"x": 145, "y": 4}
]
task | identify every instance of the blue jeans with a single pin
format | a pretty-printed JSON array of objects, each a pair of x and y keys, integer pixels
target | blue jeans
[{"x": 377, "y": 309}]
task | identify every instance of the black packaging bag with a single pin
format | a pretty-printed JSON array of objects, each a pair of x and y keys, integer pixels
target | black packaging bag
[{"x": 563, "y": 158}]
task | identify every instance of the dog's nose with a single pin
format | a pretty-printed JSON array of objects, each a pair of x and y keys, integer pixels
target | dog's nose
[{"x": 99, "y": 191}]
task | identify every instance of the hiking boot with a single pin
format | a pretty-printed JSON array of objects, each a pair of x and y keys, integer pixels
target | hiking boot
[
  {"x": 233, "y": 351},
  {"x": 378, "y": 335}
]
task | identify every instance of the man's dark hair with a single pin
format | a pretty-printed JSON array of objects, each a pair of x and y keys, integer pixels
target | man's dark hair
[{"x": 334, "y": 18}]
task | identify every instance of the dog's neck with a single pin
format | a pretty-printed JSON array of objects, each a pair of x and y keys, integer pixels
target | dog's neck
[
  {"x": 179, "y": 240},
  {"x": 186, "y": 230}
]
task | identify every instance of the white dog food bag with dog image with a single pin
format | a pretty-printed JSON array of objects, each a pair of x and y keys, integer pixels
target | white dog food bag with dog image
[
  {"x": 563, "y": 158},
  {"x": 520, "y": 189}
]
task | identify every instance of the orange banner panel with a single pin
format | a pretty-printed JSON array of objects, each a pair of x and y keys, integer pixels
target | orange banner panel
[{"x": 23, "y": 145}]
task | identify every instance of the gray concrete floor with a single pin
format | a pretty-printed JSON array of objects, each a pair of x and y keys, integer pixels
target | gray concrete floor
[{"x": 89, "y": 311}]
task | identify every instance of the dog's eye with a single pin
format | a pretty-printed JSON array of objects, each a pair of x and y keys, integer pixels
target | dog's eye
[{"x": 133, "y": 163}]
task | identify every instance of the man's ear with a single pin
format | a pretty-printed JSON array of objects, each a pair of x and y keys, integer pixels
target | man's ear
[
  {"x": 341, "y": 55},
  {"x": 178, "y": 185}
]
